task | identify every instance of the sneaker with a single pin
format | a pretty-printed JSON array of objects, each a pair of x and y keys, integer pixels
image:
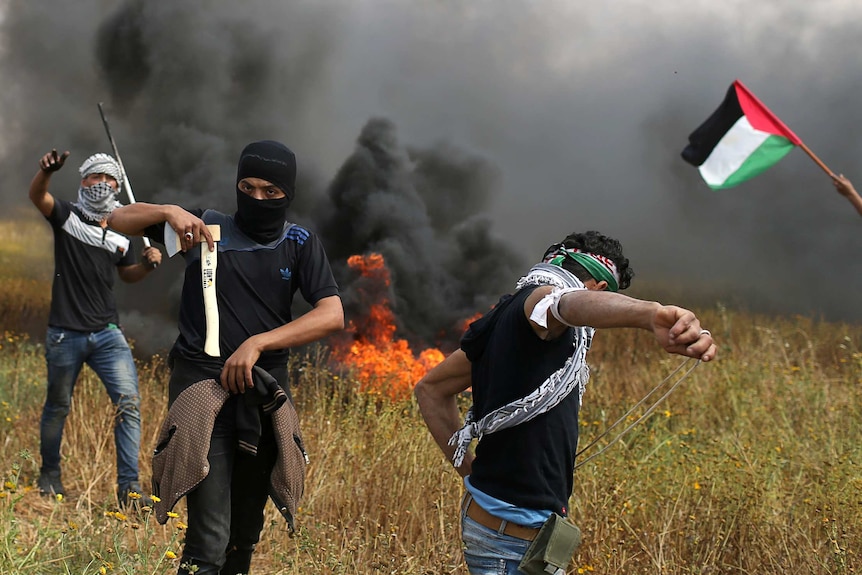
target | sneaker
[
  {"x": 133, "y": 496},
  {"x": 49, "y": 484}
]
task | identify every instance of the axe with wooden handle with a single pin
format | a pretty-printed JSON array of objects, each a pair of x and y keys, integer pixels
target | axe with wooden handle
[{"x": 209, "y": 261}]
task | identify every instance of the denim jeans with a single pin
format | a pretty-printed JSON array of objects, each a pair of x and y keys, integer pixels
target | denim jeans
[
  {"x": 108, "y": 354},
  {"x": 225, "y": 510},
  {"x": 488, "y": 552}
]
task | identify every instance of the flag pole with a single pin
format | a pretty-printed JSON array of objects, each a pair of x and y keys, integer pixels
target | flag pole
[{"x": 817, "y": 160}]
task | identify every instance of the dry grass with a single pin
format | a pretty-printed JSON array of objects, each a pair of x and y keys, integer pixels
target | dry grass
[{"x": 751, "y": 466}]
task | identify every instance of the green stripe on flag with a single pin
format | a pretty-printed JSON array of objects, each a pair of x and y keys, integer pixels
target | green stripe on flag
[{"x": 764, "y": 157}]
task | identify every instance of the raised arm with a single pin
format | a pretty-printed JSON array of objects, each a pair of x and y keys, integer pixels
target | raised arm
[
  {"x": 846, "y": 189},
  {"x": 437, "y": 394},
  {"x": 133, "y": 219},
  {"x": 39, "y": 195},
  {"x": 676, "y": 329}
]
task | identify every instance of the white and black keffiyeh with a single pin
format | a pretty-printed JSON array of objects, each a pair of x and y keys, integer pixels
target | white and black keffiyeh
[
  {"x": 96, "y": 202},
  {"x": 102, "y": 164},
  {"x": 573, "y": 374}
]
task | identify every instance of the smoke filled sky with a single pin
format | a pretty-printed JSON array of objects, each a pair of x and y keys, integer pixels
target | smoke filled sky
[{"x": 487, "y": 129}]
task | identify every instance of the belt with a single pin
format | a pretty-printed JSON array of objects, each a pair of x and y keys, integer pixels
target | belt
[{"x": 485, "y": 519}]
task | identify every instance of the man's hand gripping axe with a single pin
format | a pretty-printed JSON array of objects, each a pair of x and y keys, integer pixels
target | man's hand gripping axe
[{"x": 209, "y": 262}]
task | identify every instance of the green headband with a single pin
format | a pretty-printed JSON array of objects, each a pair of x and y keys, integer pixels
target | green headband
[{"x": 596, "y": 269}]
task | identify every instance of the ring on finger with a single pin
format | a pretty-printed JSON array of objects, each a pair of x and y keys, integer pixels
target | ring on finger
[
  {"x": 706, "y": 332},
  {"x": 189, "y": 236}
]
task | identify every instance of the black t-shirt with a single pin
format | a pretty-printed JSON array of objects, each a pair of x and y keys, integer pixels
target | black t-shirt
[
  {"x": 85, "y": 255},
  {"x": 255, "y": 285},
  {"x": 532, "y": 464}
]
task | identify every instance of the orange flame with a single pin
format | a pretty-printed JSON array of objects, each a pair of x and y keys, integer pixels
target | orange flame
[
  {"x": 470, "y": 320},
  {"x": 383, "y": 364}
]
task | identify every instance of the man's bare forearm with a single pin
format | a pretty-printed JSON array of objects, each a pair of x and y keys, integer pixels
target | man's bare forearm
[
  {"x": 133, "y": 219},
  {"x": 856, "y": 201},
  {"x": 601, "y": 309},
  {"x": 436, "y": 394},
  {"x": 135, "y": 272},
  {"x": 324, "y": 319},
  {"x": 39, "y": 192}
]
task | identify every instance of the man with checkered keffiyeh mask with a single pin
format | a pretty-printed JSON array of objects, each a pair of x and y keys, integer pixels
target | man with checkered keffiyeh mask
[
  {"x": 100, "y": 187},
  {"x": 526, "y": 362},
  {"x": 83, "y": 323}
]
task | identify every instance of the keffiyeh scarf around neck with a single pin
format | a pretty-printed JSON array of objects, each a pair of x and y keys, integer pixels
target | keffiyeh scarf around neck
[
  {"x": 96, "y": 202},
  {"x": 573, "y": 374}
]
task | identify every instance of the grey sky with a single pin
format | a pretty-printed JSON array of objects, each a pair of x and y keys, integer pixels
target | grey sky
[{"x": 577, "y": 111}]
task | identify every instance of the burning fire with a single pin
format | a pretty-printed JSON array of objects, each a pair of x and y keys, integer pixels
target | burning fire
[{"x": 382, "y": 364}]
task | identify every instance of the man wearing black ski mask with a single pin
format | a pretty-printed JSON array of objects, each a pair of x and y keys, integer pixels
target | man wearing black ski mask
[{"x": 262, "y": 261}]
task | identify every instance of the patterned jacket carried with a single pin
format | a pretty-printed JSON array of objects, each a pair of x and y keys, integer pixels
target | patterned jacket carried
[{"x": 180, "y": 458}]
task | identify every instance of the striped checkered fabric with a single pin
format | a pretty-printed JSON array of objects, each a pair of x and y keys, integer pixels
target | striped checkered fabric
[{"x": 574, "y": 374}]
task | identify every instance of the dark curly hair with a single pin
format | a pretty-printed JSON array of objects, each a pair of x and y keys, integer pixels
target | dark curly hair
[{"x": 597, "y": 243}]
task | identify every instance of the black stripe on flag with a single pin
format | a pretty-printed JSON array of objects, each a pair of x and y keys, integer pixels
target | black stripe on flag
[{"x": 704, "y": 139}]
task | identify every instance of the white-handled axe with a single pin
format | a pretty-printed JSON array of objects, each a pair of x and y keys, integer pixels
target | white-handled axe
[{"x": 209, "y": 261}]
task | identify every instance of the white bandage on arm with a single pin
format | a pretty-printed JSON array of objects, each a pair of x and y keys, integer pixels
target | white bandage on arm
[{"x": 551, "y": 303}]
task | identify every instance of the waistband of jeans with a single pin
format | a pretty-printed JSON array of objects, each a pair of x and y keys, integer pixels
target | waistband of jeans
[{"x": 475, "y": 512}]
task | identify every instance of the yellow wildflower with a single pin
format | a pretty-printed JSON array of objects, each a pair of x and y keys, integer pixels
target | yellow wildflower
[
  {"x": 181, "y": 525},
  {"x": 155, "y": 499},
  {"x": 172, "y": 514},
  {"x": 170, "y": 555}
]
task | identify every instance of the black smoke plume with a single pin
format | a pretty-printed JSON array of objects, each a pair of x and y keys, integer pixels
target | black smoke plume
[
  {"x": 517, "y": 123},
  {"x": 421, "y": 209}
]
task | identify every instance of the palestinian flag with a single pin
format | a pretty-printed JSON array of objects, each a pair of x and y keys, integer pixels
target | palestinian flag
[{"x": 740, "y": 140}]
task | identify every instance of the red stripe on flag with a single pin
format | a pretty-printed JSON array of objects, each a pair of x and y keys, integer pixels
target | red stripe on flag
[{"x": 760, "y": 117}]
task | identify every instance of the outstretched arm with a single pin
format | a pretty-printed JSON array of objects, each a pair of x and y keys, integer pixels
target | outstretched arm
[
  {"x": 133, "y": 219},
  {"x": 846, "y": 189},
  {"x": 39, "y": 195},
  {"x": 677, "y": 330},
  {"x": 437, "y": 394}
]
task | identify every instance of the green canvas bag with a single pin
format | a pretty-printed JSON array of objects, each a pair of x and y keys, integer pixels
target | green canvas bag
[{"x": 552, "y": 549}]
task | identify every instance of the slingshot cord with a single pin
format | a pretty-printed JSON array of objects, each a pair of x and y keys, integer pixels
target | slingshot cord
[{"x": 646, "y": 414}]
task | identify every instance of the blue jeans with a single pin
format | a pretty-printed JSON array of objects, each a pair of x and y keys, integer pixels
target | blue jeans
[
  {"x": 488, "y": 552},
  {"x": 108, "y": 354}
]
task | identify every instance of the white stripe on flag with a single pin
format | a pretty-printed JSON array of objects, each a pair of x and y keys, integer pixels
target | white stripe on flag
[{"x": 737, "y": 145}]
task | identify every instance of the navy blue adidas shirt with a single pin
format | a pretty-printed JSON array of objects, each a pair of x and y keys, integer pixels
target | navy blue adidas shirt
[
  {"x": 255, "y": 285},
  {"x": 85, "y": 255}
]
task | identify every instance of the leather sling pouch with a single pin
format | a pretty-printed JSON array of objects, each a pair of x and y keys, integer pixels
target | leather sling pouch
[{"x": 552, "y": 549}]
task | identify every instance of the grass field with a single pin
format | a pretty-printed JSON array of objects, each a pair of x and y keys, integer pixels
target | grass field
[{"x": 751, "y": 466}]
